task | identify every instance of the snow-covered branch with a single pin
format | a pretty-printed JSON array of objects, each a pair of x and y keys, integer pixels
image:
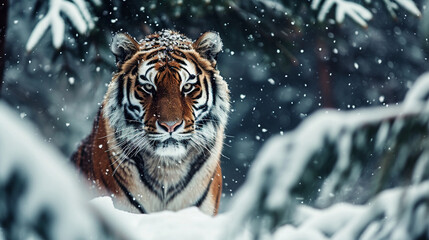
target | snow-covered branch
[
  {"x": 76, "y": 11},
  {"x": 332, "y": 155},
  {"x": 399, "y": 213},
  {"x": 357, "y": 12},
  {"x": 40, "y": 196},
  {"x": 403, "y": 212},
  {"x": 408, "y": 5}
]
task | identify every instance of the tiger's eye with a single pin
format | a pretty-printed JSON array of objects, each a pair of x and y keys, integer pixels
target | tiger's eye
[
  {"x": 148, "y": 87},
  {"x": 187, "y": 87}
]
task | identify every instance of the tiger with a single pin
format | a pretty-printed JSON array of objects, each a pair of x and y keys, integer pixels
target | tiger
[{"x": 157, "y": 138}]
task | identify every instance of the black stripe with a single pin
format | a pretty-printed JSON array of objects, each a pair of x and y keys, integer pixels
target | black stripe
[
  {"x": 214, "y": 88},
  {"x": 134, "y": 70},
  {"x": 118, "y": 136},
  {"x": 187, "y": 71},
  {"x": 153, "y": 61},
  {"x": 203, "y": 197},
  {"x": 128, "y": 88},
  {"x": 206, "y": 85},
  {"x": 120, "y": 89},
  {"x": 146, "y": 179},
  {"x": 174, "y": 68},
  {"x": 199, "y": 95},
  {"x": 180, "y": 54},
  {"x": 196, "y": 165},
  {"x": 200, "y": 107},
  {"x": 130, "y": 197},
  {"x": 180, "y": 77},
  {"x": 178, "y": 60},
  {"x": 157, "y": 77},
  {"x": 130, "y": 109},
  {"x": 138, "y": 97},
  {"x": 130, "y": 118},
  {"x": 150, "y": 68},
  {"x": 162, "y": 68},
  {"x": 143, "y": 77},
  {"x": 210, "y": 118},
  {"x": 199, "y": 71},
  {"x": 152, "y": 54}
]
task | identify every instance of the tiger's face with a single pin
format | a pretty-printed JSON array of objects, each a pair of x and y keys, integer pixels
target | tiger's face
[{"x": 167, "y": 96}]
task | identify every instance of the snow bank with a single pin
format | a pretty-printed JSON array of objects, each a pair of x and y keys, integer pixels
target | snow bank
[
  {"x": 187, "y": 224},
  {"x": 39, "y": 194},
  {"x": 398, "y": 213}
]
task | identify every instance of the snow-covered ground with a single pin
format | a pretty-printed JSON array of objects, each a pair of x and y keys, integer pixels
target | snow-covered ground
[
  {"x": 186, "y": 224},
  {"x": 402, "y": 217}
]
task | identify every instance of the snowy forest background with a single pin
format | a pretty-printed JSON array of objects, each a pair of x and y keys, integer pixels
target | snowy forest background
[{"x": 327, "y": 137}]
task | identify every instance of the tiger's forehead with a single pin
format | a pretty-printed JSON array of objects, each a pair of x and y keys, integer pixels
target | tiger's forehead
[
  {"x": 165, "y": 63},
  {"x": 166, "y": 38}
]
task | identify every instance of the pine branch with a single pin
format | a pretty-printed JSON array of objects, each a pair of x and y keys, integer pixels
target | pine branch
[
  {"x": 77, "y": 13},
  {"x": 355, "y": 11}
]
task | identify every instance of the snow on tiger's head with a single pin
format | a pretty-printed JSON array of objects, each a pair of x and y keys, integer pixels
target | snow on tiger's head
[{"x": 167, "y": 94}]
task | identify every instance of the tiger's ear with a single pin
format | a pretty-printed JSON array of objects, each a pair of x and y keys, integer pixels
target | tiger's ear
[
  {"x": 123, "y": 47},
  {"x": 208, "y": 46}
]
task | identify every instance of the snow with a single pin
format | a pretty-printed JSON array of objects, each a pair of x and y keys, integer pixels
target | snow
[
  {"x": 186, "y": 224},
  {"x": 75, "y": 17},
  {"x": 398, "y": 208},
  {"x": 37, "y": 33},
  {"x": 417, "y": 96},
  {"x": 57, "y": 26},
  {"x": 410, "y": 6},
  {"x": 85, "y": 12},
  {"x": 355, "y": 11},
  {"x": 39, "y": 183},
  {"x": 341, "y": 221},
  {"x": 77, "y": 13}
]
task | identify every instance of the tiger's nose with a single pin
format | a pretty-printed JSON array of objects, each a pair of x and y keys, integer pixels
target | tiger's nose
[{"x": 170, "y": 126}]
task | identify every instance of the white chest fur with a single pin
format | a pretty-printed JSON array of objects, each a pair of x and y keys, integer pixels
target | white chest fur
[{"x": 165, "y": 184}]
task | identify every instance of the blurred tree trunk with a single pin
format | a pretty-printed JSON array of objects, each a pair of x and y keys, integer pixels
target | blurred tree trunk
[{"x": 3, "y": 27}]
